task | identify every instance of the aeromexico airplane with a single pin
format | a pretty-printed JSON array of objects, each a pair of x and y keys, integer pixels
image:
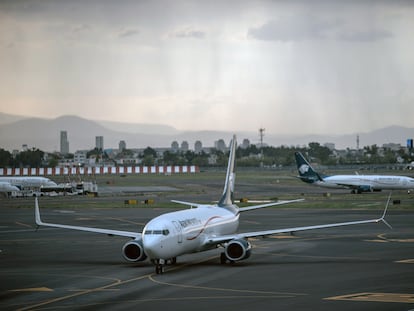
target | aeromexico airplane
[
  {"x": 202, "y": 228},
  {"x": 357, "y": 183}
]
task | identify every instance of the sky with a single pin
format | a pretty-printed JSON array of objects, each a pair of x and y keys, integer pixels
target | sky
[{"x": 291, "y": 67}]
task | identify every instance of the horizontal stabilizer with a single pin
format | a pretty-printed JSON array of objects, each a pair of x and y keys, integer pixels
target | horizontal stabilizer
[
  {"x": 249, "y": 208},
  {"x": 188, "y": 203}
]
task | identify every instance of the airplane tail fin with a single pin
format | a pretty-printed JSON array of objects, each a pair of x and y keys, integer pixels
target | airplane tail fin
[
  {"x": 306, "y": 172},
  {"x": 227, "y": 196}
]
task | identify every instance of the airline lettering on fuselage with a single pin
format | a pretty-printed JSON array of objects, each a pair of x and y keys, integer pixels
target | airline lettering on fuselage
[
  {"x": 189, "y": 222},
  {"x": 389, "y": 179}
]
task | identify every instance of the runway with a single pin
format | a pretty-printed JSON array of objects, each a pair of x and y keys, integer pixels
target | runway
[{"x": 368, "y": 267}]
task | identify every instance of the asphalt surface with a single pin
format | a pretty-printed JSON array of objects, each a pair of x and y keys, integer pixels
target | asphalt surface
[{"x": 364, "y": 267}]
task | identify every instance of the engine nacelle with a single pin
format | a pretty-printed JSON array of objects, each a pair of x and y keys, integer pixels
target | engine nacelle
[
  {"x": 364, "y": 188},
  {"x": 237, "y": 250},
  {"x": 134, "y": 251}
]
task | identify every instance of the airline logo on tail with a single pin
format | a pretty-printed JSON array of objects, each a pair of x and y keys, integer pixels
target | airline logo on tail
[
  {"x": 306, "y": 172},
  {"x": 303, "y": 169}
]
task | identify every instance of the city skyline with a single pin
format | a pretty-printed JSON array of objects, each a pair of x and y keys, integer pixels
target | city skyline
[{"x": 44, "y": 134}]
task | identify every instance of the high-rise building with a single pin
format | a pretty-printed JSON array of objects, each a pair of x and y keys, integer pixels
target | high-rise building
[
  {"x": 64, "y": 143},
  {"x": 220, "y": 145},
  {"x": 122, "y": 145},
  {"x": 174, "y": 146},
  {"x": 184, "y": 146},
  {"x": 198, "y": 147},
  {"x": 99, "y": 143},
  {"x": 245, "y": 144}
]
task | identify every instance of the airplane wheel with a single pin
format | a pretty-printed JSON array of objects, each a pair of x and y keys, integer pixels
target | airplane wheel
[
  {"x": 159, "y": 269},
  {"x": 223, "y": 258}
]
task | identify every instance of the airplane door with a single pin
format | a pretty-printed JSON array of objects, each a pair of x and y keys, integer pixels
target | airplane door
[{"x": 179, "y": 231}]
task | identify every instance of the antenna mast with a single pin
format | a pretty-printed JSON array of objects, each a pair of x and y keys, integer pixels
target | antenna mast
[{"x": 261, "y": 133}]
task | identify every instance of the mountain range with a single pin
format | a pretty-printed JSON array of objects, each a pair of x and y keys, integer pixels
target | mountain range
[{"x": 44, "y": 134}]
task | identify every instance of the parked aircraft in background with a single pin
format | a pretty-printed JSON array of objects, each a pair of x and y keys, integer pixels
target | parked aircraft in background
[
  {"x": 7, "y": 187},
  {"x": 18, "y": 183},
  {"x": 202, "y": 228},
  {"x": 357, "y": 183}
]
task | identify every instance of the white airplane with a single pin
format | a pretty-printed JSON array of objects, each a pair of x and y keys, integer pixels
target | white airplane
[
  {"x": 205, "y": 227},
  {"x": 7, "y": 187},
  {"x": 357, "y": 183},
  {"x": 17, "y": 183}
]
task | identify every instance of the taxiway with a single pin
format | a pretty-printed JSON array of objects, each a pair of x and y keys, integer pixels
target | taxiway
[{"x": 366, "y": 267}]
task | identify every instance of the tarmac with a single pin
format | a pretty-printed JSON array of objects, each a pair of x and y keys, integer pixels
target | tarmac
[{"x": 364, "y": 267}]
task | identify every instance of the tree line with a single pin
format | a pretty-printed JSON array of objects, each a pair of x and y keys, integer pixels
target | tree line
[{"x": 252, "y": 156}]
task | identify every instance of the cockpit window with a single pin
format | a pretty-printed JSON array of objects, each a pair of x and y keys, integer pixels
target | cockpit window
[{"x": 157, "y": 232}]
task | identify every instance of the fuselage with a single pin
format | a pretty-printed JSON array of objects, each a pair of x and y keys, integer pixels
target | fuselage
[
  {"x": 29, "y": 181},
  {"x": 375, "y": 182},
  {"x": 182, "y": 232},
  {"x": 7, "y": 187}
]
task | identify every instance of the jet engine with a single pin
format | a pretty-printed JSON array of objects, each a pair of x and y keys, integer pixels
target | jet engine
[
  {"x": 237, "y": 250},
  {"x": 134, "y": 251},
  {"x": 364, "y": 188}
]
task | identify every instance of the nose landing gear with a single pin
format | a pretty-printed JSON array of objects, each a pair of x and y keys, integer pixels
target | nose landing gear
[{"x": 161, "y": 263}]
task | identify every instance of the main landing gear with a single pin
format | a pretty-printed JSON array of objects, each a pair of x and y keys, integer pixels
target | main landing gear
[
  {"x": 224, "y": 259},
  {"x": 161, "y": 263}
]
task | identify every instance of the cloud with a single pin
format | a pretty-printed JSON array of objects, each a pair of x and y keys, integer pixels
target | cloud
[
  {"x": 188, "y": 32},
  {"x": 81, "y": 28},
  {"x": 129, "y": 32},
  {"x": 292, "y": 28},
  {"x": 364, "y": 35},
  {"x": 306, "y": 27}
]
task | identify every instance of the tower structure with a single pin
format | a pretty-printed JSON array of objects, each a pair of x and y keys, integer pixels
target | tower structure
[
  {"x": 99, "y": 143},
  {"x": 357, "y": 142},
  {"x": 261, "y": 133},
  {"x": 64, "y": 143}
]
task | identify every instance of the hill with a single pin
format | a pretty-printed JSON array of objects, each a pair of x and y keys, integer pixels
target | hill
[{"x": 44, "y": 134}]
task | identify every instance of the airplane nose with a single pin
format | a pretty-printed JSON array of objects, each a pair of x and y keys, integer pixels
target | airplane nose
[{"x": 153, "y": 247}]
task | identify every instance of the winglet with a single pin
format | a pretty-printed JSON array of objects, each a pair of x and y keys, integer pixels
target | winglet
[
  {"x": 385, "y": 212},
  {"x": 37, "y": 213}
]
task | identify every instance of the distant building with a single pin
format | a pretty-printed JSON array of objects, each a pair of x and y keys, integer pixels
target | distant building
[
  {"x": 64, "y": 143},
  {"x": 184, "y": 146},
  {"x": 80, "y": 157},
  {"x": 122, "y": 145},
  {"x": 392, "y": 146},
  {"x": 220, "y": 145},
  {"x": 174, "y": 146},
  {"x": 99, "y": 143},
  {"x": 198, "y": 147},
  {"x": 330, "y": 146},
  {"x": 245, "y": 144}
]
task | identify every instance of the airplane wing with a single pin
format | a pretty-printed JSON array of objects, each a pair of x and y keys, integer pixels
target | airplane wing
[
  {"x": 226, "y": 238},
  {"x": 39, "y": 222}
]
